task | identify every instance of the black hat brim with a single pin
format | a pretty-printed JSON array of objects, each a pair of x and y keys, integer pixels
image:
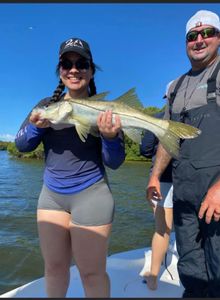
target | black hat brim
[{"x": 76, "y": 50}]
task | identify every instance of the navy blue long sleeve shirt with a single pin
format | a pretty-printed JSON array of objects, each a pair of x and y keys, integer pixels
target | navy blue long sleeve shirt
[
  {"x": 148, "y": 148},
  {"x": 70, "y": 164}
]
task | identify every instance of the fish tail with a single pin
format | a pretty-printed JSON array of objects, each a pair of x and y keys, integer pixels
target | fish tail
[
  {"x": 183, "y": 130},
  {"x": 174, "y": 132}
]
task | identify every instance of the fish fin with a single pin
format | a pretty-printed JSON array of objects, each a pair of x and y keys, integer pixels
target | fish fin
[
  {"x": 134, "y": 134},
  {"x": 131, "y": 99},
  {"x": 183, "y": 130},
  {"x": 170, "y": 143},
  {"x": 99, "y": 97},
  {"x": 83, "y": 127},
  {"x": 174, "y": 132},
  {"x": 82, "y": 131}
]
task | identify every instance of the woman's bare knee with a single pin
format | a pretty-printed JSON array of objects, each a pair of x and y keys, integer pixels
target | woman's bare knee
[{"x": 56, "y": 267}]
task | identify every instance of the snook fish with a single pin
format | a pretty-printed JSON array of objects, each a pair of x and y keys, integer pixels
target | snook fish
[{"x": 83, "y": 114}]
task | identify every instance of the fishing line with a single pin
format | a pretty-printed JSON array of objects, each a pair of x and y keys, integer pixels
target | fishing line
[
  {"x": 166, "y": 267},
  {"x": 127, "y": 284},
  {"x": 19, "y": 265}
]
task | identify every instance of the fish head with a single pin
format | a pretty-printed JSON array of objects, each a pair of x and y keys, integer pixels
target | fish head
[{"x": 55, "y": 112}]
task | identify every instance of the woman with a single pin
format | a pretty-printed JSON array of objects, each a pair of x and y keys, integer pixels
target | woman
[
  {"x": 75, "y": 206},
  {"x": 163, "y": 209}
]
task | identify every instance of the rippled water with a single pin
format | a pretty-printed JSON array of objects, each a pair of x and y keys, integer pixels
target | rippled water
[{"x": 20, "y": 184}]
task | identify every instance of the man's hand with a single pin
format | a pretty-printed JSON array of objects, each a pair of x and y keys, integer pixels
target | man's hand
[
  {"x": 210, "y": 207},
  {"x": 153, "y": 191}
]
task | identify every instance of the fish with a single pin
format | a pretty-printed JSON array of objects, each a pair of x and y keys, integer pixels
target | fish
[{"x": 83, "y": 113}]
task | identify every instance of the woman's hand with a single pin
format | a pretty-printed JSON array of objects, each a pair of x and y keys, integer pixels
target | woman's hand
[
  {"x": 107, "y": 129},
  {"x": 37, "y": 121}
]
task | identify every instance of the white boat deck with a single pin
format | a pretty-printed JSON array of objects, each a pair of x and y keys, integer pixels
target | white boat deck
[{"x": 125, "y": 270}]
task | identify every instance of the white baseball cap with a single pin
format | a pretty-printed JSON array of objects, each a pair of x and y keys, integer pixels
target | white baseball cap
[{"x": 203, "y": 17}]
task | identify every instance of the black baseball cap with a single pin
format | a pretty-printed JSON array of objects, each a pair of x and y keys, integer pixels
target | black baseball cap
[{"x": 76, "y": 45}]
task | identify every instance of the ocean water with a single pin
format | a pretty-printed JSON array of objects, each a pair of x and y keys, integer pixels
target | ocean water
[{"x": 20, "y": 184}]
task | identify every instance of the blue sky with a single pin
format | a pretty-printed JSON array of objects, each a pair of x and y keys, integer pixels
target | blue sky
[{"x": 136, "y": 45}]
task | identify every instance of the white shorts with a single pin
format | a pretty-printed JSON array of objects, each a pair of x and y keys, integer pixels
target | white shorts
[{"x": 166, "y": 189}]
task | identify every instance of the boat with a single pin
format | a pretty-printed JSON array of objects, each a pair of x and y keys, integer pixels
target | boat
[{"x": 126, "y": 271}]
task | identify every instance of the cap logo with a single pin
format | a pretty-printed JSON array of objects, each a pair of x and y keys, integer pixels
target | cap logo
[
  {"x": 78, "y": 43},
  {"x": 73, "y": 43},
  {"x": 198, "y": 24}
]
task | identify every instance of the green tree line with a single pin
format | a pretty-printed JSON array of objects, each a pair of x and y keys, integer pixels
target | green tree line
[
  {"x": 131, "y": 148},
  {"x": 4, "y": 145}
]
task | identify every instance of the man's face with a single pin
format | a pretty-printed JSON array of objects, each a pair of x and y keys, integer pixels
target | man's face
[{"x": 202, "y": 45}]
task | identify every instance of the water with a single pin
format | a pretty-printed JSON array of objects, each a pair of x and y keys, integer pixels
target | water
[{"x": 20, "y": 184}]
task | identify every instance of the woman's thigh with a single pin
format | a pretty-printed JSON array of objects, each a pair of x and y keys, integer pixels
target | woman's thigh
[
  {"x": 90, "y": 247},
  {"x": 54, "y": 235}
]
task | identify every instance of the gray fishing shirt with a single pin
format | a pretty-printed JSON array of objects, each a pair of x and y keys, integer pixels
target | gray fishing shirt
[{"x": 193, "y": 91}]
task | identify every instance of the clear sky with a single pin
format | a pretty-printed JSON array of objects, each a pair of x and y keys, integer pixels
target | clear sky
[{"x": 136, "y": 45}]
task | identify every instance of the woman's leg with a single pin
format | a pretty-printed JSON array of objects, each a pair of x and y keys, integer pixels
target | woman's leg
[
  {"x": 53, "y": 228},
  {"x": 90, "y": 247},
  {"x": 160, "y": 243}
]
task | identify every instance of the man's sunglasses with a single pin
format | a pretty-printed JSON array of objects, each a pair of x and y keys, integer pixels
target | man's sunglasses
[
  {"x": 81, "y": 64},
  {"x": 205, "y": 33}
]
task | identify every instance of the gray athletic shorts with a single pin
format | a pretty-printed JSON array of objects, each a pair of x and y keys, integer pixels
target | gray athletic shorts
[
  {"x": 93, "y": 206},
  {"x": 166, "y": 189}
]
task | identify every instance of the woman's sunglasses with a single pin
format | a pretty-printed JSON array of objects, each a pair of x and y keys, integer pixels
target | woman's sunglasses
[
  {"x": 81, "y": 64},
  {"x": 205, "y": 33}
]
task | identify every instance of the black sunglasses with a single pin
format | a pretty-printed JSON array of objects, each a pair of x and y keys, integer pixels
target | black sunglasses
[
  {"x": 205, "y": 33},
  {"x": 81, "y": 64}
]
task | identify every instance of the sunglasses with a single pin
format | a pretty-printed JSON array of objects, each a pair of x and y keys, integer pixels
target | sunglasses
[
  {"x": 81, "y": 64},
  {"x": 205, "y": 33}
]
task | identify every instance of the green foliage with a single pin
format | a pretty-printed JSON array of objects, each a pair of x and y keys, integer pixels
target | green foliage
[
  {"x": 151, "y": 110},
  {"x": 4, "y": 145},
  {"x": 132, "y": 150},
  {"x": 38, "y": 153}
]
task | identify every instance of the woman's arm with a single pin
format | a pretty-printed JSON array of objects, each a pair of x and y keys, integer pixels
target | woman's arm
[
  {"x": 113, "y": 151},
  {"x": 29, "y": 135},
  {"x": 28, "y": 138}
]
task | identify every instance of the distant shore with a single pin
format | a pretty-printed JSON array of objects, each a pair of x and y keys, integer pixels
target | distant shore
[{"x": 132, "y": 151}]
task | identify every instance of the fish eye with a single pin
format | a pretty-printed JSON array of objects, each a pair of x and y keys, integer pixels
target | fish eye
[{"x": 46, "y": 106}]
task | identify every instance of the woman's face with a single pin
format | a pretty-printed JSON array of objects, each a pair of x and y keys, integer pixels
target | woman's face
[{"x": 75, "y": 73}]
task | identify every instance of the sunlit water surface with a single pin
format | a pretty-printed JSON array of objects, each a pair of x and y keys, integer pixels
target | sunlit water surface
[{"x": 20, "y": 184}]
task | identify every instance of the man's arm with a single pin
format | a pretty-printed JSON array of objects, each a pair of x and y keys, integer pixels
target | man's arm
[{"x": 161, "y": 162}]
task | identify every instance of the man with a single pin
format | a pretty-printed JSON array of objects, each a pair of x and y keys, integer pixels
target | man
[{"x": 194, "y": 98}]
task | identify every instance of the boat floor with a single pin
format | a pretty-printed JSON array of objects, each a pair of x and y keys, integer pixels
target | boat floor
[{"x": 125, "y": 270}]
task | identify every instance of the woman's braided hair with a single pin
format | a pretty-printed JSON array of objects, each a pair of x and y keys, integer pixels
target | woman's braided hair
[
  {"x": 61, "y": 87},
  {"x": 58, "y": 92}
]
